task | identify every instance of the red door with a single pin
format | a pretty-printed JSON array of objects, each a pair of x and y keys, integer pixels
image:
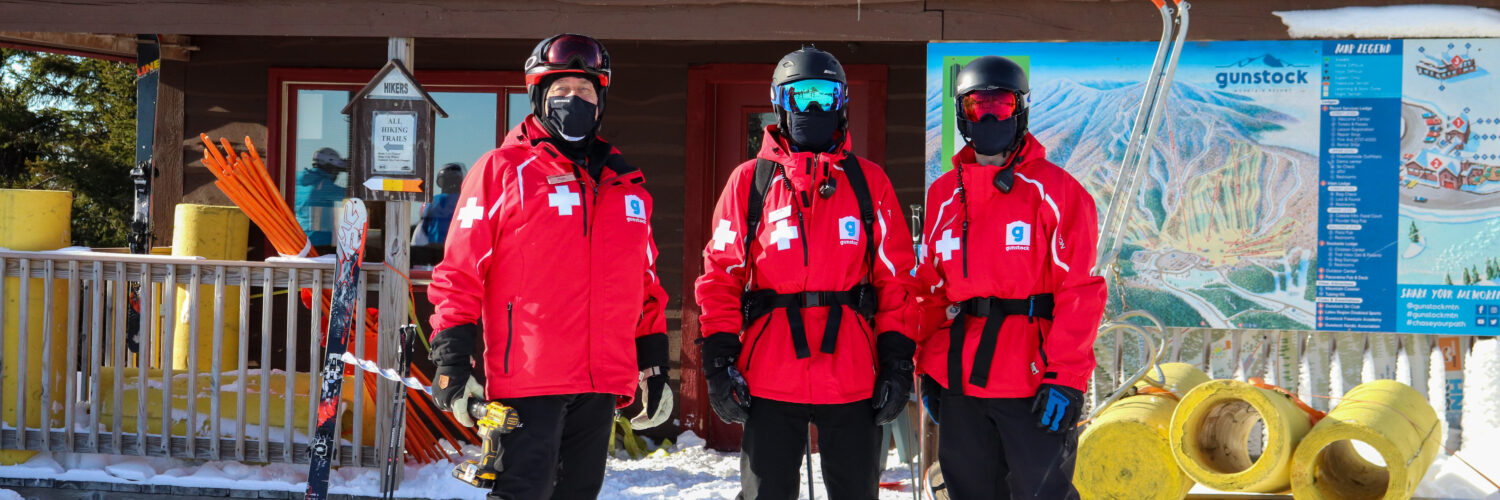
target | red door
[{"x": 729, "y": 106}]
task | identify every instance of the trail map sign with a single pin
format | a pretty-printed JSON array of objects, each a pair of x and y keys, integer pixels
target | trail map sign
[
  {"x": 393, "y": 123},
  {"x": 1333, "y": 185}
]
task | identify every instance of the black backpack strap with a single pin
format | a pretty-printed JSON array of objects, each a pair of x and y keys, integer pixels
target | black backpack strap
[
  {"x": 861, "y": 188},
  {"x": 755, "y": 206}
]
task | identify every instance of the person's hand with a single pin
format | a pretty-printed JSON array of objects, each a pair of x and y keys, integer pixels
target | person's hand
[
  {"x": 652, "y": 358},
  {"x": 460, "y": 408},
  {"x": 728, "y": 393},
  {"x": 932, "y": 394},
  {"x": 893, "y": 383},
  {"x": 453, "y": 384},
  {"x": 656, "y": 385},
  {"x": 1058, "y": 407}
]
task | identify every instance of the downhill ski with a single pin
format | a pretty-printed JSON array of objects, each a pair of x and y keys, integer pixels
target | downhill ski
[
  {"x": 147, "y": 76},
  {"x": 396, "y": 455},
  {"x": 346, "y": 290}
]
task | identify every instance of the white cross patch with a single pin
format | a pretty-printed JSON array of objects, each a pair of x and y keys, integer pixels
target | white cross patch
[
  {"x": 783, "y": 235},
  {"x": 723, "y": 235},
  {"x": 470, "y": 212},
  {"x": 564, "y": 199},
  {"x": 947, "y": 244}
]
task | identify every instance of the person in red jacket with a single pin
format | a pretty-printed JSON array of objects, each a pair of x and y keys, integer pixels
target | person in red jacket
[
  {"x": 1010, "y": 304},
  {"x": 807, "y": 310},
  {"x": 551, "y": 262}
]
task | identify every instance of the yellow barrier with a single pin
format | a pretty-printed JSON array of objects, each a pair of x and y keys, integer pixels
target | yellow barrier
[
  {"x": 1213, "y": 424},
  {"x": 212, "y": 232},
  {"x": 1387, "y": 415},
  {"x": 32, "y": 220},
  {"x": 229, "y": 413},
  {"x": 1125, "y": 452}
]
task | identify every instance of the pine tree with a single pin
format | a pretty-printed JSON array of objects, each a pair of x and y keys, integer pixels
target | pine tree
[
  {"x": 1468, "y": 279},
  {"x": 1413, "y": 234},
  {"x": 1475, "y": 270},
  {"x": 1448, "y": 278},
  {"x": 68, "y": 123}
]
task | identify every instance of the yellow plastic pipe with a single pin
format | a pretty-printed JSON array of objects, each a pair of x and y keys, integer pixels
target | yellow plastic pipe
[
  {"x": 217, "y": 233},
  {"x": 32, "y": 220},
  {"x": 1212, "y": 427},
  {"x": 1125, "y": 452},
  {"x": 1389, "y": 416}
]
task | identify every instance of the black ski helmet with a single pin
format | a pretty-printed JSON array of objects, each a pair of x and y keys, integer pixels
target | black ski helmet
[
  {"x": 807, "y": 63},
  {"x": 560, "y": 55},
  {"x": 990, "y": 73}
]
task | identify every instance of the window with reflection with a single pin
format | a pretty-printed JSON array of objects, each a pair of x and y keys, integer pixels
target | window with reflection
[{"x": 315, "y": 145}]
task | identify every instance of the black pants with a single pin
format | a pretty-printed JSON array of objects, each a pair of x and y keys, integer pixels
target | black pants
[
  {"x": 991, "y": 448},
  {"x": 775, "y": 439},
  {"x": 558, "y": 451}
]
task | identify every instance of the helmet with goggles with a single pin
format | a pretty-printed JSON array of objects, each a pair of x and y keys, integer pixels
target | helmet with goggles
[
  {"x": 809, "y": 79},
  {"x": 991, "y": 86},
  {"x": 563, "y": 55}
]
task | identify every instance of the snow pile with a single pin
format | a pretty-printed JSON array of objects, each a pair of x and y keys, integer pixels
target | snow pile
[
  {"x": 1395, "y": 21},
  {"x": 687, "y": 471},
  {"x": 10, "y": 495},
  {"x": 1482, "y": 397}
]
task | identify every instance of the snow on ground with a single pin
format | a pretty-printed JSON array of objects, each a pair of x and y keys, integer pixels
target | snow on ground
[
  {"x": 1395, "y": 21},
  {"x": 10, "y": 495},
  {"x": 687, "y": 471}
]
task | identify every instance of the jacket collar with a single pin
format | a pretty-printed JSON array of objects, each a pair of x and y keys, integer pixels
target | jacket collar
[
  {"x": 1032, "y": 151},
  {"x": 803, "y": 167},
  {"x": 531, "y": 135}
]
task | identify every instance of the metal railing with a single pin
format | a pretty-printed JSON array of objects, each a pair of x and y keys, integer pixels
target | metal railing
[{"x": 96, "y": 396}]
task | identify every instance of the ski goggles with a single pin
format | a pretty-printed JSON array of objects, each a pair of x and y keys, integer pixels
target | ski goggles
[
  {"x": 801, "y": 95},
  {"x": 571, "y": 53},
  {"x": 998, "y": 102}
]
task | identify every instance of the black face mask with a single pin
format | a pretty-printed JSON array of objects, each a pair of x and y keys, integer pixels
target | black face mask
[
  {"x": 572, "y": 118},
  {"x": 812, "y": 130},
  {"x": 990, "y": 136}
]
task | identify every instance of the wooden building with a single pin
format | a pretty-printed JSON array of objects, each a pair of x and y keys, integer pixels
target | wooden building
[{"x": 689, "y": 87}]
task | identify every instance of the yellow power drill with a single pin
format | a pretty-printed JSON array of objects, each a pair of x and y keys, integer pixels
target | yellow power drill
[{"x": 492, "y": 420}]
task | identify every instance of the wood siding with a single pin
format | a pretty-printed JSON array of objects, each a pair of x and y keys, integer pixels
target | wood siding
[{"x": 226, "y": 95}]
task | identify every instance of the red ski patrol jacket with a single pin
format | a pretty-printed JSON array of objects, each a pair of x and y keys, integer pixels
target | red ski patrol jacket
[
  {"x": 1033, "y": 248},
  {"x": 560, "y": 269},
  {"x": 806, "y": 243}
]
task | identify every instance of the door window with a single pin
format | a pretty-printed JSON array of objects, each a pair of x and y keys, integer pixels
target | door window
[{"x": 314, "y": 151}]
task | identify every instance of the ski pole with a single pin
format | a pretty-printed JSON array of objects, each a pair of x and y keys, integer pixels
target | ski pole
[{"x": 808, "y": 448}]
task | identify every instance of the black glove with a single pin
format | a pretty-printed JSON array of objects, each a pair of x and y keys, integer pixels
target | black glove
[
  {"x": 651, "y": 354},
  {"x": 728, "y": 393},
  {"x": 932, "y": 394},
  {"x": 452, "y": 349},
  {"x": 893, "y": 383},
  {"x": 1058, "y": 407}
]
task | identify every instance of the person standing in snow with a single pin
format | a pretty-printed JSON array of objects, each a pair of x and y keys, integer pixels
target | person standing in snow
[
  {"x": 805, "y": 294},
  {"x": 550, "y": 261},
  {"x": 1010, "y": 306}
]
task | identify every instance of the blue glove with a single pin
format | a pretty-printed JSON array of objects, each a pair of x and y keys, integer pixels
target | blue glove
[{"x": 1058, "y": 406}]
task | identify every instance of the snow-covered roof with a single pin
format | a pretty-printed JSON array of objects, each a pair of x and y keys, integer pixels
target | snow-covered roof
[{"x": 1395, "y": 21}]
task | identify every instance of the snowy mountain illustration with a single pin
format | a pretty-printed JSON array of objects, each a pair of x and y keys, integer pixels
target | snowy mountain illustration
[
  {"x": 1248, "y": 199},
  {"x": 1266, "y": 59}
]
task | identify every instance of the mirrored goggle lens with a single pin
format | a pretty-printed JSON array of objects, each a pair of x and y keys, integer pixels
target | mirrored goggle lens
[
  {"x": 998, "y": 102},
  {"x": 801, "y": 95},
  {"x": 568, "y": 48}
]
